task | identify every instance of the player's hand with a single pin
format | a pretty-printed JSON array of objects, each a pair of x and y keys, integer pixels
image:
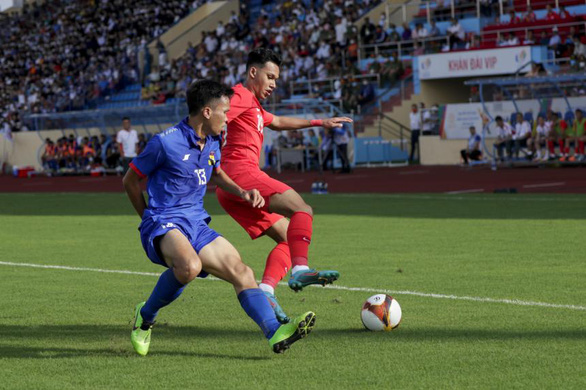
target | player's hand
[
  {"x": 335, "y": 122},
  {"x": 254, "y": 198}
]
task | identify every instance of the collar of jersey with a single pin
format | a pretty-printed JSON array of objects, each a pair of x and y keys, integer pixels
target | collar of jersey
[{"x": 189, "y": 133}]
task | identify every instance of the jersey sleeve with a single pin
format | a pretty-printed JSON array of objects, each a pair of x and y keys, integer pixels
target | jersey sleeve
[
  {"x": 238, "y": 104},
  {"x": 151, "y": 158},
  {"x": 267, "y": 118}
]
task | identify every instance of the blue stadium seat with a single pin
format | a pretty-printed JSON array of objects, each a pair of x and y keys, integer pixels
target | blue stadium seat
[
  {"x": 569, "y": 117},
  {"x": 528, "y": 116},
  {"x": 513, "y": 119}
]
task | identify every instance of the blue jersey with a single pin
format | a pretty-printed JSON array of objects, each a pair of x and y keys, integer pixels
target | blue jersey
[{"x": 178, "y": 171}]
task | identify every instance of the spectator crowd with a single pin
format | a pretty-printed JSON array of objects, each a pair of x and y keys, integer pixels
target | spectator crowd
[
  {"x": 315, "y": 39},
  {"x": 68, "y": 54}
]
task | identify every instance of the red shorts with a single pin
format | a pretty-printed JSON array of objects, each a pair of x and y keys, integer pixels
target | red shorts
[{"x": 254, "y": 221}]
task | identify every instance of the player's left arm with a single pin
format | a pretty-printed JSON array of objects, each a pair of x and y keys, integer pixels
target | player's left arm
[
  {"x": 281, "y": 123},
  {"x": 222, "y": 180}
]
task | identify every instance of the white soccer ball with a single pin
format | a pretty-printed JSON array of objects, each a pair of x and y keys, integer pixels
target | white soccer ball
[{"x": 381, "y": 312}]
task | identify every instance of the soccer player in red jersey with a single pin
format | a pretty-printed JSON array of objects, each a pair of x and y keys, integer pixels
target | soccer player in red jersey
[{"x": 241, "y": 153}]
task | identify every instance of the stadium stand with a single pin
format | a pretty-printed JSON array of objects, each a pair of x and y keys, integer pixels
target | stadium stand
[
  {"x": 81, "y": 53},
  {"x": 337, "y": 57}
]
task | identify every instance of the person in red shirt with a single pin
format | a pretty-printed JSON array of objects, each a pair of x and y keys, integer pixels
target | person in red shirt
[
  {"x": 529, "y": 15},
  {"x": 49, "y": 155},
  {"x": 564, "y": 14},
  {"x": 513, "y": 18},
  {"x": 557, "y": 134},
  {"x": 240, "y": 159},
  {"x": 551, "y": 14}
]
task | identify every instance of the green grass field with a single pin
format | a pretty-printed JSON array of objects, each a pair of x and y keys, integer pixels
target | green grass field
[{"x": 69, "y": 329}]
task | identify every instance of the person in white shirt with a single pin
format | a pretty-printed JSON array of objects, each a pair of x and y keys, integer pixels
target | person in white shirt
[
  {"x": 220, "y": 30},
  {"x": 529, "y": 38},
  {"x": 512, "y": 40},
  {"x": 341, "y": 28},
  {"x": 456, "y": 33},
  {"x": 504, "y": 138},
  {"x": 420, "y": 32},
  {"x": 473, "y": 151},
  {"x": 324, "y": 50},
  {"x": 537, "y": 140},
  {"x": 127, "y": 140},
  {"x": 426, "y": 121},
  {"x": 521, "y": 133},
  {"x": 415, "y": 121}
]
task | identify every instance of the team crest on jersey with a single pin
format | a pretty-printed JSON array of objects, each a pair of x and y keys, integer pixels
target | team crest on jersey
[{"x": 212, "y": 159}]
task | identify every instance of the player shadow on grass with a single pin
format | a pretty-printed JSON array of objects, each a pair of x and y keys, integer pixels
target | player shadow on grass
[
  {"x": 118, "y": 337},
  {"x": 18, "y": 352}
]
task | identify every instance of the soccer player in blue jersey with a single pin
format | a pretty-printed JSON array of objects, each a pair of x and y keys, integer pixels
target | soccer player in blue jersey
[{"x": 174, "y": 230}]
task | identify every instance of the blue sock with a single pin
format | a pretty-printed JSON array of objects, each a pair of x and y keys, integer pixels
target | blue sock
[
  {"x": 166, "y": 291},
  {"x": 257, "y": 306}
]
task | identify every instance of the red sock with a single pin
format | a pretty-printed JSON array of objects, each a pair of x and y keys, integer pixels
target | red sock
[
  {"x": 278, "y": 264},
  {"x": 581, "y": 147},
  {"x": 299, "y": 237},
  {"x": 562, "y": 147},
  {"x": 550, "y": 147}
]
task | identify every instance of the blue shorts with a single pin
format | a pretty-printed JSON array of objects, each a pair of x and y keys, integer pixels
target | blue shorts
[{"x": 197, "y": 232}]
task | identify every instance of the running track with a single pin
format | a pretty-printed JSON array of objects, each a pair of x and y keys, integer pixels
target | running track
[{"x": 413, "y": 179}]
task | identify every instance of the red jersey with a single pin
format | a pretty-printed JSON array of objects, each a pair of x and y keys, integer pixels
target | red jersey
[{"x": 244, "y": 136}]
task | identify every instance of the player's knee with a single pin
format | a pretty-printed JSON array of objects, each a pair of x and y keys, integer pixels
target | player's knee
[
  {"x": 243, "y": 275},
  {"x": 306, "y": 209},
  {"x": 188, "y": 271}
]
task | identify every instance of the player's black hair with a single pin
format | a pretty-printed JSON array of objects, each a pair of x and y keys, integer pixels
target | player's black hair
[
  {"x": 202, "y": 92},
  {"x": 125, "y": 119},
  {"x": 498, "y": 118},
  {"x": 260, "y": 56}
]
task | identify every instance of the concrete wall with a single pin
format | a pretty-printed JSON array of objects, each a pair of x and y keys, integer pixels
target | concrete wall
[
  {"x": 189, "y": 29},
  {"x": 444, "y": 91},
  {"x": 23, "y": 150},
  {"x": 437, "y": 151}
]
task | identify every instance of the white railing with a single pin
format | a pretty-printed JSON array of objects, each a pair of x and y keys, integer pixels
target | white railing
[
  {"x": 474, "y": 7},
  {"x": 327, "y": 85},
  {"x": 406, "y": 48},
  {"x": 508, "y": 28},
  {"x": 398, "y": 47}
]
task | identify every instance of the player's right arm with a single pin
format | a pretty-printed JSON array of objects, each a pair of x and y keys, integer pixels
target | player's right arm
[
  {"x": 133, "y": 189},
  {"x": 282, "y": 123},
  {"x": 153, "y": 157}
]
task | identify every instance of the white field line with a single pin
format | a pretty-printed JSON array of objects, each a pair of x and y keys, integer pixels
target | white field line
[
  {"x": 330, "y": 287},
  {"x": 465, "y": 191},
  {"x": 557, "y": 184},
  {"x": 503, "y": 198}
]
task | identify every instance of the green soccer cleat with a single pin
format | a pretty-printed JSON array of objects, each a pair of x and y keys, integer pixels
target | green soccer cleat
[
  {"x": 310, "y": 276},
  {"x": 141, "y": 339},
  {"x": 289, "y": 333},
  {"x": 279, "y": 313}
]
